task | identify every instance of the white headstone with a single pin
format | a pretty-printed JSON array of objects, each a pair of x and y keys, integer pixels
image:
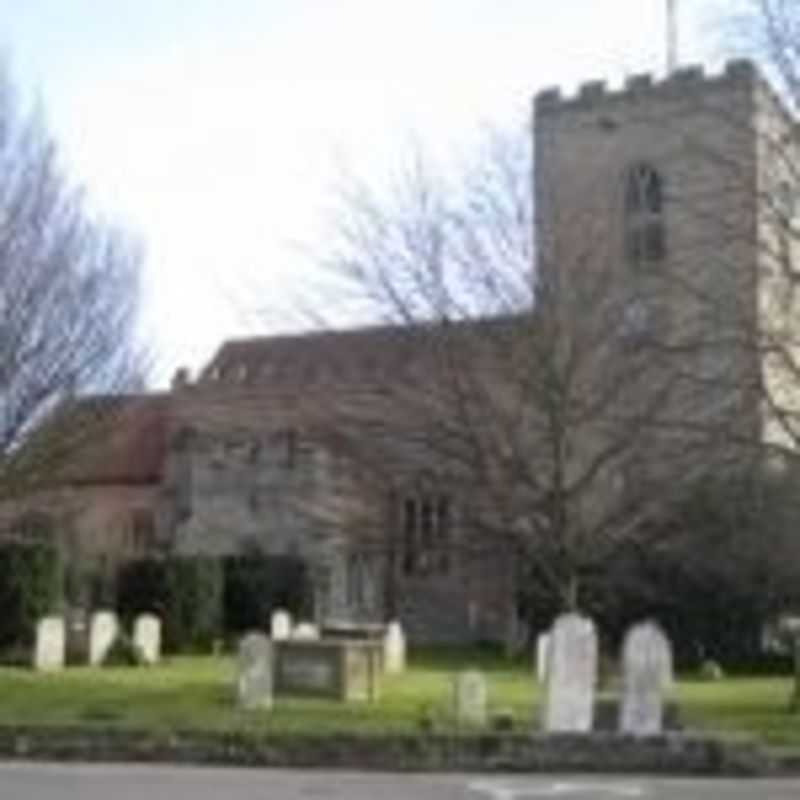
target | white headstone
[
  {"x": 394, "y": 649},
  {"x": 306, "y": 631},
  {"x": 647, "y": 675},
  {"x": 50, "y": 647},
  {"x": 470, "y": 698},
  {"x": 147, "y": 637},
  {"x": 280, "y": 625},
  {"x": 254, "y": 683},
  {"x": 542, "y": 647},
  {"x": 571, "y": 675},
  {"x": 103, "y": 629}
]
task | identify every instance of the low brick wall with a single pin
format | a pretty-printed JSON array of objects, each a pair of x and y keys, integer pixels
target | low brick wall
[{"x": 599, "y": 752}]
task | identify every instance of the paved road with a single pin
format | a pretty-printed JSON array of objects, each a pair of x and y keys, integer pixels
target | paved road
[{"x": 120, "y": 782}]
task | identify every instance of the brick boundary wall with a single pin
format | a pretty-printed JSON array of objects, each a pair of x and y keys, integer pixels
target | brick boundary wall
[{"x": 676, "y": 754}]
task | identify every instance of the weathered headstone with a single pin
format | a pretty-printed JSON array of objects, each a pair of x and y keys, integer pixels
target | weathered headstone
[
  {"x": 280, "y": 625},
  {"x": 394, "y": 649},
  {"x": 470, "y": 698},
  {"x": 542, "y": 647},
  {"x": 103, "y": 629},
  {"x": 254, "y": 684},
  {"x": 50, "y": 646},
  {"x": 147, "y": 637},
  {"x": 305, "y": 631},
  {"x": 571, "y": 675},
  {"x": 647, "y": 675}
]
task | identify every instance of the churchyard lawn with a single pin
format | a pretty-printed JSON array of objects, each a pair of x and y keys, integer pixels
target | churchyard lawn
[{"x": 198, "y": 693}]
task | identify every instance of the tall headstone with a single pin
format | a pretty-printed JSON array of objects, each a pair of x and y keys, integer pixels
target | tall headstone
[
  {"x": 280, "y": 625},
  {"x": 470, "y": 698},
  {"x": 147, "y": 637},
  {"x": 394, "y": 649},
  {"x": 571, "y": 675},
  {"x": 50, "y": 646},
  {"x": 542, "y": 647},
  {"x": 254, "y": 686},
  {"x": 306, "y": 631},
  {"x": 647, "y": 675},
  {"x": 103, "y": 628}
]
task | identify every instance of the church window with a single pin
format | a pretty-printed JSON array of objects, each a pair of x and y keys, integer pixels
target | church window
[
  {"x": 644, "y": 216},
  {"x": 143, "y": 530},
  {"x": 426, "y": 535},
  {"x": 291, "y": 448}
]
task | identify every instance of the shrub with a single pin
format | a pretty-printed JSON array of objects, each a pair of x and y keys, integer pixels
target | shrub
[
  {"x": 30, "y": 588},
  {"x": 123, "y": 653},
  {"x": 256, "y": 584},
  {"x": 141, "y": 588},
  {"x": 192, "y": 611}
]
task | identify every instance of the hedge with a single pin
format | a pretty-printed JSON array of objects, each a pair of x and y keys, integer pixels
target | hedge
[
  {"x": 200, "y": 599},
  {"x": 255, "y": 585},
  {"x": 30, "y": 588}
]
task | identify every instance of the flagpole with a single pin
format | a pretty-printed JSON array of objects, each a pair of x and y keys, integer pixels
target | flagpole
[{"x": 672, "y": 36}]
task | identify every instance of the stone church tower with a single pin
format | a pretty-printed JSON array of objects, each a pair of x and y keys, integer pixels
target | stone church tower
[{"x": 678, "y": 196}]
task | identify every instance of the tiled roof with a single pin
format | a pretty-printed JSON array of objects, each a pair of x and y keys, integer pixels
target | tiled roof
[{"x": 113, "y": 439}]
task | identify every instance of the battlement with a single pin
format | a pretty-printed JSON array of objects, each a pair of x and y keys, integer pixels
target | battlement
[{"x": 685, "y": 79}]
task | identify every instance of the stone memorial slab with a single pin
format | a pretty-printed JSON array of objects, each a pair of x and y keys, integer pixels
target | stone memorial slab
[
  {"x": 339, "y": 669},
  {"x": 280, "y": 625},
  {"x": 254, "y": 685},
  {"x": 542, "y": 648},
  {"x": 50, "y": 646},
  {"x": 147, "y": 637},
  {"x": 103, "y": 628},
  {"x": 571, "y": 675},
  {"x": 647, "y": 675},
  {"x": 394, "y": 649},
  {"x": 470, "y": 698},
  {"x": 305, "y": 631}
]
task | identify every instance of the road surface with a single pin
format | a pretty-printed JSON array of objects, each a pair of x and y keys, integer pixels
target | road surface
[{"x": 30, "y": 781}]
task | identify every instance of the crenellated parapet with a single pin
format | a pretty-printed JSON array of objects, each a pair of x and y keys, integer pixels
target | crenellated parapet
[{"x": 691, "y": 78}]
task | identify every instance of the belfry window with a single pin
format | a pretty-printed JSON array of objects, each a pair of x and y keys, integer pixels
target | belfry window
[{"x": 644, "y": 216}]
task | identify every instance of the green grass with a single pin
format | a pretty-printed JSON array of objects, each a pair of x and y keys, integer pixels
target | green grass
[
  {"x": 197, "y": 693},
  {"x": 757, "y": 706}
]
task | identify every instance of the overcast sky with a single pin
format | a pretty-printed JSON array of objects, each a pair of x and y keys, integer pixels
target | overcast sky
[{"x": 216, "y": 129}]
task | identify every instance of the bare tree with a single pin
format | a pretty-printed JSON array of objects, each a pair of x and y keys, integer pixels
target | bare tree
[
  {"x": 525, "y": 380},
  {"x": 68, "y": 301}
]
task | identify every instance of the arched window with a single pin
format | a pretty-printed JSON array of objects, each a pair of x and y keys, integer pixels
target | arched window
[{"x": 644, "y": 216}]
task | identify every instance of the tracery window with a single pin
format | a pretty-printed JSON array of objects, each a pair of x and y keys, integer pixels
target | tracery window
[
  {"x": 645, "y": 241},
  {"x": 426, "y": 534}
]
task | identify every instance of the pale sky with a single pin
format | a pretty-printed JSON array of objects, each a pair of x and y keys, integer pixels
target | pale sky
[{"x": 216, "y": 130}]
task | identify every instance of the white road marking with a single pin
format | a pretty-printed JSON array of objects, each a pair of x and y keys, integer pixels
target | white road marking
[{"x": 504, "y": 790}]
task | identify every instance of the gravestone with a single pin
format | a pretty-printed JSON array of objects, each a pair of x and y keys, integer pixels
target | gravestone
[
  {"x": 103, "y": 628},
  {"x": 394, "y": 649},
  {"x": 571, "y": 675},
  {"x": 542, "y": 647},
  {"x": 470, "y": 698},
  {"x": 147, "y": 637},
  {"x": 50, "y": 646},
  {"x": 280, "y": 625},
  {"x": 647, "y": 675},
  {"x": 305, "y": 631},
  {"x": 254, "y": 683}
]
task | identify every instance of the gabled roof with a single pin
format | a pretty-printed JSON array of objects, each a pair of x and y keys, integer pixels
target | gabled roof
[{"x": 105, "y": 439}]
